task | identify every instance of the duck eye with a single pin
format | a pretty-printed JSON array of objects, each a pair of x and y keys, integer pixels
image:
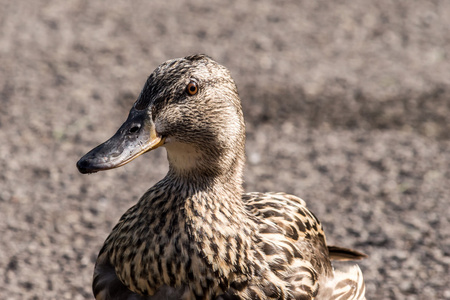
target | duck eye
[{"x": 192, "y": 88}]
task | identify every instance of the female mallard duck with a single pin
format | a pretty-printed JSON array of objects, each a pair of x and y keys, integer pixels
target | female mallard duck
[{"x": 196, "y": 234}]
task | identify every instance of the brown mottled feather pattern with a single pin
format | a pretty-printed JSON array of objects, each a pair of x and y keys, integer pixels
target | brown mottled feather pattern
[{"x": 195, "y": 234}]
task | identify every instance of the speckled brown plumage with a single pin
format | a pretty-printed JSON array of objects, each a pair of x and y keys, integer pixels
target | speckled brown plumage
[{"x": 195, "y": 234}]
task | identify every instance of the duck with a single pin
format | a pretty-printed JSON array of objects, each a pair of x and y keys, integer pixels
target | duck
[{"x": 196, "y": 234}]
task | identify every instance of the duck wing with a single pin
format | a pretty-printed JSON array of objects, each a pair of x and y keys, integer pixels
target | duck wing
[
  {"x": 292, "y": 240},
  {"x": 294, "y": 244}
]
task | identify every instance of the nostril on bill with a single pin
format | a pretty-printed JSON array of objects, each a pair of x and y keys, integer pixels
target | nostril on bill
[{"x": 135, "y": 128}]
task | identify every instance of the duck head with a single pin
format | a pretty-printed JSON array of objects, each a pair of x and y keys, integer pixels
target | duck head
[{"x": 191, "y": 107}]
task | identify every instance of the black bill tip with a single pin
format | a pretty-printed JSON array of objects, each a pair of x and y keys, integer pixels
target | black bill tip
[{"x": 84, "y": 166}]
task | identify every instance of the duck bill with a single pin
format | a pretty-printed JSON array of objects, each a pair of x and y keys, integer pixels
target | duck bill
[{"x": 135, "y": 137}]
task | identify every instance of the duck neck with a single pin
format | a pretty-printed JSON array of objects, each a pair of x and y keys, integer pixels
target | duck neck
[
  {"x": 211, "y": 187},
  {"x": 217, "y": 223},
  {"x": 221, "y": 232},
  {"x": 203, "y": 168}
]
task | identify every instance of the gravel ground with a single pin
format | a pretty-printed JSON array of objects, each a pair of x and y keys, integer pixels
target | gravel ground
[{"x": 347, "y": 105}]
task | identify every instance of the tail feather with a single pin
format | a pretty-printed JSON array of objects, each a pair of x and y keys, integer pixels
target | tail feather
[
  {"x": 344, "y": 254},
  {"x": 348, "y": 285}
]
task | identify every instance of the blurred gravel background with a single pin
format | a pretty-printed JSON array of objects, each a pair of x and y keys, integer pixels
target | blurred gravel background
[{"x": 347, "y": 105}]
